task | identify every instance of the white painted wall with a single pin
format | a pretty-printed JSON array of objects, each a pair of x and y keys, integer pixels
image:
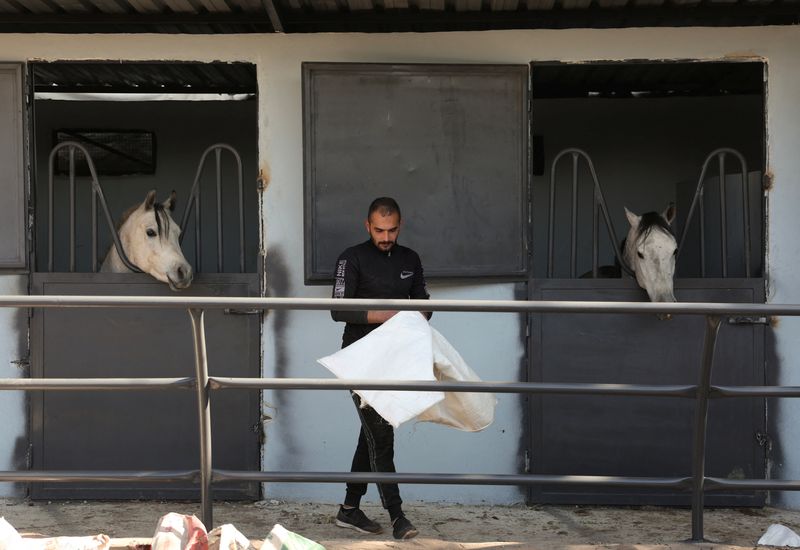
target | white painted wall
[
  {"x": 13, "y": 364},
  {"x": 319, "y": 431}
]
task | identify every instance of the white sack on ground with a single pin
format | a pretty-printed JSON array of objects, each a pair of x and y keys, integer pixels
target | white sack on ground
[
  {"x": 281, "y": 538},
  {"x": 399, "y": 349},
  {"x": 228, "y": 537},
  {"x": 180, "y": 532},
  {"x": 779, "y": 535},
  {"x": 97, "y": 542},
  {"x": 470, "y": 412},
  {"x": 406, "y": 347},
  {"x": 10, "y": 539}
]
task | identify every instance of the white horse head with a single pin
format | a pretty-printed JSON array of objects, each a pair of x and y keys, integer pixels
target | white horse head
[
  {"x": 150, "y": 238},
  {"x": 650, "y": 251}
]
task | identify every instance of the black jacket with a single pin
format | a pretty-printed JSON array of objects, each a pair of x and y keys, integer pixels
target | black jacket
[{"x": 365, "y": 271}]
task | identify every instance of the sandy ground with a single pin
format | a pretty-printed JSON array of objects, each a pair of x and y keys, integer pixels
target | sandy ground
[{"x": 445, "y": 526}]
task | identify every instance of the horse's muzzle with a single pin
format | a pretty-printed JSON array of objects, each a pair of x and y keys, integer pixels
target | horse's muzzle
[{"x": 183, "y": 278}]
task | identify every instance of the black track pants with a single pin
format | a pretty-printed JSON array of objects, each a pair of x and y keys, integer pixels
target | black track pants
[{"x": 374, "y": 453}]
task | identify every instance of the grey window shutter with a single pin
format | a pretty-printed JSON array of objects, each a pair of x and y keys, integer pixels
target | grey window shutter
[{"x": 12, "y": 176}]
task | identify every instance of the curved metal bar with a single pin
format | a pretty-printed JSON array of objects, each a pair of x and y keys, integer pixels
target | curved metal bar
[
  {"x": 95, "y": 189},
  {"x": 698, "y": 199},
  {"x": 203, "y": 413},
  {"x": 701, "y": 426},
  {"x": 599, "y": 202},
  {"x": 218, "y": 157},
  {"x": 71, "y": 209},
  {"x": 193, "y": 203},
  {"x": 723, "y": 215},
  {"x": 94, "y": 232}
]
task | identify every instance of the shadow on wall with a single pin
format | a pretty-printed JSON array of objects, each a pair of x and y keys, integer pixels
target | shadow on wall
[{"x": 278, "y": 285}]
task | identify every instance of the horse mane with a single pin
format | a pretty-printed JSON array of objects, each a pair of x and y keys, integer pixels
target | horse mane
[
  {"x": 158, "y": 209},
  {"x": 650, "y": 221}
]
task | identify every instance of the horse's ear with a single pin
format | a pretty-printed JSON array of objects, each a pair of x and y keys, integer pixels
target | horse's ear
[
  {"x": 633, "y": 219},
  {"x": 169, "y": 204},
  {"x": 669, "y": 213},
  {"x": 150, "y": 200}
]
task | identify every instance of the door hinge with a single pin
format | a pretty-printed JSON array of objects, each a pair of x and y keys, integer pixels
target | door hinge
[
  {"x": 744, "y": 320},
  {"x": 764, "y": 440},
  {"x": 527, "y": 461}
]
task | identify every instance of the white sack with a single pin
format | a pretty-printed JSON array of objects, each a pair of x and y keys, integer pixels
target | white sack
[
  {"x": 97, "y": 542},
  {"x": 779, "y": 535},
  {"x": 470, "y": 412},
  {"x": 180, "y": 532},
  {"x": 281, "y": 538},
  {"x": 228, "y": 537},
  {"x": 9, "y": 538},
  {"x": 406, "y": 347},
  {"x": 399, "y": 349}
]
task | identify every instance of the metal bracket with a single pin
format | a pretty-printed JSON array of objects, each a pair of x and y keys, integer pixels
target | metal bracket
[
  {"x": 764, "y": 440},
  {"x": 232, "y": 311},
  {"x": 748, "y": 320}
]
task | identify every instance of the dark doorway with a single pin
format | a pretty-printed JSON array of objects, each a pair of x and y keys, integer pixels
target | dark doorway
[
  {"x": 648, "y": 127},
  {"x": 148, "y": 125}
]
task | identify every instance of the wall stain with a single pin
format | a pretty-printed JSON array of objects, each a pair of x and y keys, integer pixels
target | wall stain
[
  {"x": 264, "y": 178},
  {"x": 773, "y": 450},
  {"x": 278, "y": 285},
  {"x": 524, "y": 444}
]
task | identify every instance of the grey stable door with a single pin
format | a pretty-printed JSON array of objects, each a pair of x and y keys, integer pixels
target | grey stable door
[
  {"x": 643, "y": 436},
  {"x": 141, "y": 430}
]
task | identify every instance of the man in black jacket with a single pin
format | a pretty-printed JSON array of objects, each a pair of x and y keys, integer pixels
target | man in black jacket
[{"x": 376, "y": 268}]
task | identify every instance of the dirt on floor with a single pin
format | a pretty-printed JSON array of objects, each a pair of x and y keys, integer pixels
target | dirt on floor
[{"x": 445, "y": 526}]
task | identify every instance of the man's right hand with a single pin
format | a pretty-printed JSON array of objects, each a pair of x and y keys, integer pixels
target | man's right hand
[{"x": 376, "y": 317}]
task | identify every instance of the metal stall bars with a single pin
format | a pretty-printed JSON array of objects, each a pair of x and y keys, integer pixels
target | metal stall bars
[
  {"x": 194, "y": 204},
  {"x": 598, "y": 208},
  {"x": 97, "y": 193},
  {"x": 701, "y": 392},
  {"x": 697, "y": 200}
]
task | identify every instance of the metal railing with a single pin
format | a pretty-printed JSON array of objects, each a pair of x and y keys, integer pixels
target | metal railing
[
  {"x": 193, "y": 205},
  {"x": 697, "y": 483},
  {"x": 600, "y": 210},
  {"x": 698, "y": 203},
  {"x": 72, "y": 148}
]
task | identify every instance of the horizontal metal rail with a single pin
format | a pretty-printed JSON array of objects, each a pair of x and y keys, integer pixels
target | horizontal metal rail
[
  {"x": 324, "y": 304},
  {"x": 75, "y": 384},
  {"x": 544, "y": 388},
  {"x": 67, "y": 476},
  {"x": 701, "y": 393},
  {"x": 682, "y": 483}
]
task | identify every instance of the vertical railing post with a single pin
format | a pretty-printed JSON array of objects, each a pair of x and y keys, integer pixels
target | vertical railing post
[
  {"x": 203, "y": 414},
  {"x": 701, "y": 426}
]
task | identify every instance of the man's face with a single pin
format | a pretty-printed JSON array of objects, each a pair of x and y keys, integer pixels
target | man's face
[{"x": 383, "y": 230}]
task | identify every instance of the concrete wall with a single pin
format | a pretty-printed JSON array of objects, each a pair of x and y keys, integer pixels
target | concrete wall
[{"x": 318, "y": 431}]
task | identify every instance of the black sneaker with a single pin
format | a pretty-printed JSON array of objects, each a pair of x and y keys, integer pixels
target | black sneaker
[
  {"x": 354, "y": 518},
  {"x": 402, "y": 528}
]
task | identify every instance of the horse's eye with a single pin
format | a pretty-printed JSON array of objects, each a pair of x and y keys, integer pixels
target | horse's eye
[
  {"x": 640, "y": 255},
  {"x": 151, "y": 233}
]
